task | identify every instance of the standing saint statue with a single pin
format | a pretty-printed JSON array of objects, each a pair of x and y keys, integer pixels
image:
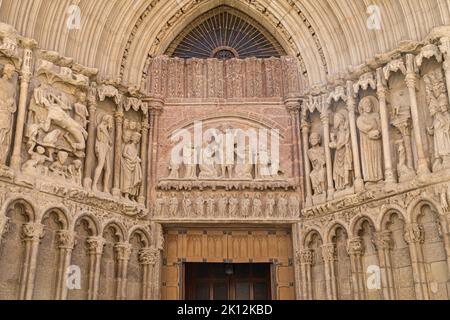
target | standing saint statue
[
  {"x": 343, "y": 158},
  {"x": 369, "y": 125},
  {"x": 131, "y": 173},
  {"x": 317, "y": 157},
  {"x": 440, "y": 129},
  {"x": 7, "y": 109},
  {"x": 103, "y": 148}
]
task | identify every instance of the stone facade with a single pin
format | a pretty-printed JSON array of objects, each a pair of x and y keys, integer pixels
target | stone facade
[{"x": 91, "y": 197}]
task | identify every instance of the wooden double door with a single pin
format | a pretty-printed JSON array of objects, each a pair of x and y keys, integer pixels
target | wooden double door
[{"x": 216, "y": 281}]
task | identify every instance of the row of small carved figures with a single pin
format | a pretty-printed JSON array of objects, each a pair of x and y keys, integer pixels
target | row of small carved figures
[{"x": 282, "y": 206}]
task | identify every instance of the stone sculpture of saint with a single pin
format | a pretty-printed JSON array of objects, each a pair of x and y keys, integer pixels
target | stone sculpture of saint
[
  {"x": 369, "y": 126},
  {"x": 207, "y": 165},
  {"x": 233, "y": 206},
  {"x": 343, "y": 158},
  {"x": 189, "y": 162},
  {"x": 131, "y": 173},
  {"x": 173, "y": 205},
  {"x": 270, "y": 205},
  {"x": 80, "y": 111},
  {"x": 103, "y": 149},
  {"x": 210, "y": 206},
  {"x": 257, "y": 206},
  {"x": 245, "y": 206},
  {"x": 7, "y": 109},
  {"x": 199, "y": 203},
  {"x": 282, "y": 206},
  {"x": 440, "y": 128},
  {"x": 317, "y": 157},
  {"x": 160, "y": 204},
  {"x": 294, "y": 206},
  {"x": 187, "y": 205},
  {"x": 222, "y": 205}
]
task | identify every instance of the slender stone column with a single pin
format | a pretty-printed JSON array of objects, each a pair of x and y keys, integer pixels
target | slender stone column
[
  {"x": 156, "y": 106},
  {"x": 355, "y": 251},
  {"x": 95, "y": 249},
  {"x": 384, "y": 246},
  {"x": 32, "y": 234},
  {"x": 381, "y": 92},
  {"x": 149, "y": 258},
  {"x": 66, "y": 243},
  {"x": 90, "y": 145},
  {"x": 144, "y": 157},
  {"x": 3, "y": 223},
  {"x": 293, "y": 107},
  {"x": 123, "y": 252},
  {"x": 411, "y": 83},
  {"x": 118, "y": 148},
  {"x": 414, "y": 236},
  {"x": 326, "y": 140},
  {"x": 445, "y": 49},
  {"x": 328, "y": 254},
  {"x": 351, "y": 106},
  {"x": 305, "y": 136},
  {"x": 306, "y": 261},
  {"x": 25, "y": 77}
]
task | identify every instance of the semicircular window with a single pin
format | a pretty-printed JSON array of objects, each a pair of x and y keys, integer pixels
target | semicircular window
[{"x": 225, "y": 33}]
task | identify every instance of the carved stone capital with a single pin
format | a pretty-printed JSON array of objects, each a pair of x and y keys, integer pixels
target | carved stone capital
[
  {"x": 32, "y": 231},
  {"x": 95, "y": 245},
  {"x": 384, "y": 240},
  {"x": 305, "y": 256},
  {"x": 123, "y": 251},
  {"x": 66, "y": 239},
  {"x": 355, "y": 246},
  {"x": 149, "y": 256},
  {"x": 414, "y": 233},
  {"x": 329, "y": 252}
]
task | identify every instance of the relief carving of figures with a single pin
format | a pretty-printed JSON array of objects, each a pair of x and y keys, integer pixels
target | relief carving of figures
[
  {"x": 270, "y": 206},
  {"x": 103, "y": 150},
  {"x": 294, "y": 206},
  {"x": 440, "y": 129},
  {"x": 317, "y": 157},
  {"x": 35, "y": 166},
  {"x": 343, "y": 158},
  {"x": 257, "y": 206},
  {"x": 173, "y": 205},
  {"x": 160, "y": 205},
  {"x": 233, "y": 206},
  {"x": 369, "y": 125},
  {"x": 131, "y": 173},
  {"x": 58, "y": 109},
  {"x": 245, "y": 206},
  {"x": 402, "y": 167},
  {"x": 7, "y": 109},
  {"x": 80, "y": 110},
  {"x": 210, "y": 206},
  {"x": 59, "y": 169},
  {"x": 189, "y": 162},
  {"x": 199, "y": 204},
  {"x": 282, "y": 206},
  {"x": 75, "y": 172},
  {"x": 244, "y": 166},
  {"x": 207, "y": 163},
  {"x": 222, "y": 205},
  {"x": 187, "y": 205}
]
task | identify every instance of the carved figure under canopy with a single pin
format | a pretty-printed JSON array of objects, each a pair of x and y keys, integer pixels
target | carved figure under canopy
[
  {"x": 317, "y": 157},
  {"x": 369, "y": 126},
  {"x": 131, "y": 173},
  {"x": 103, "y": 149},
  {"x": 343, "y": 158},
  {"x": 440, "y": 129}
]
